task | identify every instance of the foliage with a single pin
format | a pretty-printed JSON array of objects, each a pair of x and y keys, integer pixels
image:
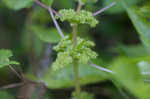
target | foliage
[
  {"x": 144, "y": 66},
  {"x": 47, "y": 2},
  {"x": 46, "y": 34},
  {"x": 122, "y": 48},
  {"x": 18, "y": 4},
  {"x": 128, "y": 74},
  {"x": 115, "y": 9},
  {"x": 132, "y": 51},
  {"x": 4, "y": 58},
  {"x": 64, "y": 78},
  {"x": 141, "y": 23}
]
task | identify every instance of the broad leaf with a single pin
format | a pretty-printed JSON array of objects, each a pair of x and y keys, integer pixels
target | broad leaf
[
  {"x": 129, "y": 3},
  {"x": 40, "y": 16},
  {"x": 138, "y": 16},
  {"x": 47, "y": 2},
  {"x": 5, "y": 53},
  {"x": 118, "y": 8},
  {"x": 64, "y": 78},
  {"x": 141, "y": 24},
  {"x": 4, "y": 58},
  {"x": 127, "y": 73},
  {"x": 49, "y": 35},
  {"x": 132, "y": 50},
  {"x": 115, "y": 9},
  {"x": 18, "y": 4},
  {"x": 6, "y": 62},
  {"x": 144, "y": 66}
]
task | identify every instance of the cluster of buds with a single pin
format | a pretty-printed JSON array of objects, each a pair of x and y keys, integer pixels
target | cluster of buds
[
  {"x": 83, "y": 17},
  {"x": 67, "y": 53}
]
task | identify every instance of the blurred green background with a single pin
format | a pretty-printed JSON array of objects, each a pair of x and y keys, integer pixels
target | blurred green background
[{"x": 117, "y": 43}]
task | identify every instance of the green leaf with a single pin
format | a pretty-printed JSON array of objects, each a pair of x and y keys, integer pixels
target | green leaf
[
  {"x": 6, "y": 62},
  {"x": 18, "y": 4},
  {"x": 127, "y": 73},
  {"x": 132, "y": 50},
  {"x": 40, "y": 16},
  {"x": 141, "y": 24},
  {"x": 115, "y": 9},
  {"x": 64, "y": 77},
  {"x": 45, "y": 34},
  {"x": 5, "y": 53},
  {"x": 14, "y": 63},
  {"x": 4, "y": 58},
  {"x": 129, "y": 3},
  {"x": 118, "y": 8},
  {"x": 144, "y": 66},
  {"x": 47, "y": 2}
]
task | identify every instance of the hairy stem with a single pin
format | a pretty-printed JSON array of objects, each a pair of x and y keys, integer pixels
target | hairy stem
[
  {"x": 11, "y": 86},
  {"x": 101, "y": 68},
  {"x": 79, "y": 7},
  {"x": 46, "y": 7},
  {"x": 74, "y": 35},
  {"x": 104, "y": 9},
  {"x": 51, "y": 11},
  {"x": 15, "y": 71},
  {"x": 41, "y": 4},
  {"x": 55, "y": 22}
]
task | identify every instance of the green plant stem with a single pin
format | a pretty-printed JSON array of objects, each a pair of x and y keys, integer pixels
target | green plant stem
[
  {"x": 74, "y": 35},
  {"x": 104, "y": 9},
  {"x": 76, "y": 72},
  {"x": 79, "y": 7},
  {"x": 77, "y": 82},
  {"x": 76, "y": 67}
]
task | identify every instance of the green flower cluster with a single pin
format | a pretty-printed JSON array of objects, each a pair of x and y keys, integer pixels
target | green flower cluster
[
  {"x": 83, "y": 17},
  {"x": 67, "y": 53}
]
